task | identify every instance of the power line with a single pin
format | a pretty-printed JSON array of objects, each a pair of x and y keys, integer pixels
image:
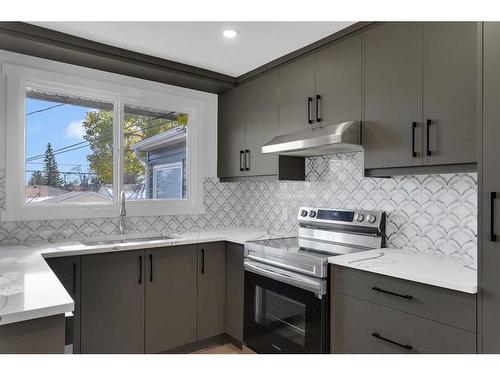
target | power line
[
  {"x": 39, "y": 156},
  {"x": 61, "y": 151},
  {"x": 65, "y": 164},
  {"x": 107, "y": 133},
  {"x": 72, "y": 147},
  {"x": 44, "y": 109},
  {"x": 69, "y": 172}
]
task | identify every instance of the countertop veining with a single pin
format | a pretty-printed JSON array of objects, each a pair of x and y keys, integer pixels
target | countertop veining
[
  {"x": 442, "y": 271},
  {"x": 29, "y": 289}
]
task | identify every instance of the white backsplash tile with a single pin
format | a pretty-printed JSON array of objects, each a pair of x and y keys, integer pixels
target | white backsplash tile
[{"x": 430, "y": 213}]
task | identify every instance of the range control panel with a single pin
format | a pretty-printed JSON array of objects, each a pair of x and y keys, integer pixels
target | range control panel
[{"x": 340, "y": 216}]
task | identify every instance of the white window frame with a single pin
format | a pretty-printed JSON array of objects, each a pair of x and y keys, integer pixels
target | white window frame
[
  {"x": 127, "y": 91},
  {"x": 176, "y": 164}
]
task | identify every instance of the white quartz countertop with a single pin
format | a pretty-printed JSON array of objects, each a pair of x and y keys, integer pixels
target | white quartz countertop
[
  {"x": 29, "y": 289},
  {"x": 442, "y": 271}
]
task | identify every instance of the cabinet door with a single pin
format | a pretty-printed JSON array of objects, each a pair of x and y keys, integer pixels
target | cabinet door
[
  {"x": 231, "y": 132},
  {"x": 338, "y": 81},
  {"x": 489, "y": 261},
  {"x": 393, "y": 95},
  {"x": 112, "y": 302},
  {"x": 297, "y": 84},
  {"x": 211, "y": 289},
  {"x": 262, "y": 124},
  {"x": 67, "y": 270},
  {"x": 170, "y": 298},
  {"x": 450, "y": 56},
  {"x": 235, "y": 278}
]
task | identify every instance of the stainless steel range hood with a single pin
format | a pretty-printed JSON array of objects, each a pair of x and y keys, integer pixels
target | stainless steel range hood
[{"x": 343, "y": 137}]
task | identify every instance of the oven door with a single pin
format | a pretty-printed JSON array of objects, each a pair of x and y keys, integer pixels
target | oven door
[{"x": 284, "y": 312}]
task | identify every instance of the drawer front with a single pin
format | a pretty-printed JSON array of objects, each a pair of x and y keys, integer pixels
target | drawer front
[
  {"x": 363, "y": 327},
  {"x": 443, "y": 305}
]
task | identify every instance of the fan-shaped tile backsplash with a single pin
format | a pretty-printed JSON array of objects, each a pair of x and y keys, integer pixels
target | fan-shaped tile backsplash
[{"x": 430, "y": 213}]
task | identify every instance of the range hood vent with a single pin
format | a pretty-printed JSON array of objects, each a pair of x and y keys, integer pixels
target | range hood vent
[{"x": 343, "y": 137}]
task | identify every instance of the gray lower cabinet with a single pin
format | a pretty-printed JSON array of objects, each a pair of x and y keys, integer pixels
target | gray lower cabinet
[
  {"x": 35, "y": 336},
  {"x": 112, "y": 302},
  {"x": 154, "y": 300},
  {"x": 392, "y": 128},
  {"x": 373, "y": 313},
  {"x": 235, "y": 280},
  {"x": 489, "y": 195},
  {"x": 67, "y": 270},
  {"x": 366, "y": 328},
  {"x": 339, "y": 81},
  {"x": 442, "y": 305},
  {"x": 297, "y": 95},
  {"x": 211, "y": 289},
  {"x": 170, "y": 303},
  {"x": 450, "y": 92}
]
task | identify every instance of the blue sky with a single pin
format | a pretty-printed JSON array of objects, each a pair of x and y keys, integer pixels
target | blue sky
[{"x": 61, "y": 127}]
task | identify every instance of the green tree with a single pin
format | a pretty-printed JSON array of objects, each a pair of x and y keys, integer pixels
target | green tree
[
  {"x": 36, "y": 178},
  {"x": 51, "y": 176},
  {"x": 98, "y": 126}
]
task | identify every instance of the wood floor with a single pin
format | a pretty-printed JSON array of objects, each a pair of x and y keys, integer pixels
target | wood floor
[{"x": 224, "y": 349}]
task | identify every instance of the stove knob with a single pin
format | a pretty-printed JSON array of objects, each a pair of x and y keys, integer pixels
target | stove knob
[
  {"x": 303, "y": 213},
  {"x": 312, "y": 214},
  {"x": 371, "y": 218},
  {"x": 360, "y": 217}
]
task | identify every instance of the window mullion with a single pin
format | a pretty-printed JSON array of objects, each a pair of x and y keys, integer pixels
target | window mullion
[{"x": 118, "y": 164}]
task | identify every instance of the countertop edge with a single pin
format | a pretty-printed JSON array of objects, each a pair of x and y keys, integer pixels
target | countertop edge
[
  {"x": 414, "y": 278},
  {"x": 43, "y": 312}
]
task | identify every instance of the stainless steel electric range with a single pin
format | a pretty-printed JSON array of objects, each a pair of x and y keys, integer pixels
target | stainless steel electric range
[{"x": 286, "y": 280}]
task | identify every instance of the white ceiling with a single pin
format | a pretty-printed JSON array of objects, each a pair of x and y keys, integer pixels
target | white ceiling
[{"x": 201, "y": 44}]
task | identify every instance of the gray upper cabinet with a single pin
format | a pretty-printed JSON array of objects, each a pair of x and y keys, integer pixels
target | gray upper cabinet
[
  {"x": 450, "y": 60},
  {"x": 170, "y": 298},
  {"x": 249, "y": 117},
  {"x": 262, "y": 124},
  {"x": 67, "y": 270},
  {"x": 338, "y": 81},
  {"x": 413, "y": 85},
  {"x": 297, "y": 94},
  {"x": 211, "y": 289},
  {"x": 420, "y": 94},
  {"x": 489, "y": 256},
  {"x": 392, "y": 128},
  {"x": 231, "y": 133},
  {"x": 112, "y": 302}
]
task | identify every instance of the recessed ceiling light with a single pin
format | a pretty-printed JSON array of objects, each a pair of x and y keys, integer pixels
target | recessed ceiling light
[{"x": 230, "y": 33}]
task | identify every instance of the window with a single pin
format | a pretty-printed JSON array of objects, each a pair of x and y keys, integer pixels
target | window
[
  {"x": 68, "y": 149},
  {"x": 169, "y": 181},
  {"x": 152, "y": 138},
  {"x": 79, "y": 138}
]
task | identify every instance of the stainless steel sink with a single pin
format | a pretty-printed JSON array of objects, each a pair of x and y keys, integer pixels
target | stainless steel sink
[{"x": 113, "y": 241}]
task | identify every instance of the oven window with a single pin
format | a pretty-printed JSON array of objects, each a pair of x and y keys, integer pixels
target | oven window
[{"x": 282, "y": 315}]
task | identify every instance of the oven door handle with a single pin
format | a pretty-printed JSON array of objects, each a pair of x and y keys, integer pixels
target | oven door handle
[{"x": 316, "y": 286}]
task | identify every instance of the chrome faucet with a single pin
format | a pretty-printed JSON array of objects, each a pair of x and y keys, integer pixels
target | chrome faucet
[{"x": 123, "y": 213}]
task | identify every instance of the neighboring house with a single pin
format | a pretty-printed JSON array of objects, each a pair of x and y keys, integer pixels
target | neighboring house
[
  {"x": 165, "y": 158},
  {"x": 49, "y": 194},
  {"x": 39, "y": 193}
]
